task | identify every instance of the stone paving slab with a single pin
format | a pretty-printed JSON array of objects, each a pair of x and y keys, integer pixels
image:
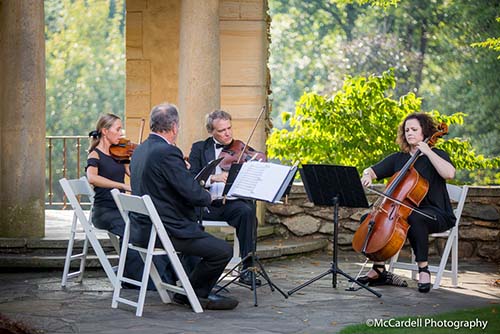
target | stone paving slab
[{"x": 37, "y": 299}]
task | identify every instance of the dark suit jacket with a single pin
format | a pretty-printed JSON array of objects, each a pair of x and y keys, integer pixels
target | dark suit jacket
[
  {"x": 158, "y": 170},
  {"x": 202, "y": 153}
]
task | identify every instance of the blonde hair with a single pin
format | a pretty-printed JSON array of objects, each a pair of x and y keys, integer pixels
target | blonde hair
[{"x": 105, "y": 122}]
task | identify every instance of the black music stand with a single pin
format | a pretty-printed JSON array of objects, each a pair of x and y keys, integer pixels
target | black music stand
[
  {"x": 256, "y": 267},
  {"x": 206, "y": 171},
  {"x": 331, "y": 185}
]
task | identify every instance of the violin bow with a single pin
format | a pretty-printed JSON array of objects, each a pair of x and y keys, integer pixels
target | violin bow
[
  {"x": 141, "y": 129},
  {"x": 251, "y": 134}
]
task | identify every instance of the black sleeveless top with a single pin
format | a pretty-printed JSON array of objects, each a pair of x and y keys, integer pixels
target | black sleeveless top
[{"x": 111, "y": 169}]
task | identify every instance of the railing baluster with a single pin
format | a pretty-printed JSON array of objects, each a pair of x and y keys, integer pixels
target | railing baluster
[
  {"x": 64, "y": 168},
  {"x": 55, "y": 197},
  {"x": 51, "y": 194},
  {"x": 78, "y": 157}
]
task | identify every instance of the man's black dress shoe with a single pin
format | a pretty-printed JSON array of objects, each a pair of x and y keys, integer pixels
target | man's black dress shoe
[
  {"x": 246, "y": 278},
  {"x": 212, "y": 302}
]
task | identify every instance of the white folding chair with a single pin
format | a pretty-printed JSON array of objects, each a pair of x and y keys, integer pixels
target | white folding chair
[
  {"x": 457, "y": 194},
  {"x": 236, "y": 244},
  {"x": 72, "y": 189},
  {"x": 144, "y": 205}
]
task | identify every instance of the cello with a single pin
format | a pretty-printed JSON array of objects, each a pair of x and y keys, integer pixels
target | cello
[{"x": 383, "y": 232}]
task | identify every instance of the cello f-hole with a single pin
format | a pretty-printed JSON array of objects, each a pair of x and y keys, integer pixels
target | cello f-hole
[{"x": 392, "y": 212}]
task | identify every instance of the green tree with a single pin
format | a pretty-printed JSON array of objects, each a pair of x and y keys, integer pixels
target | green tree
[
  {"x": 467, "y": 79},
  {"x": 427, "y": 42},
  {"x": 357, "y": 126},
  {"x": 85, "y": 69},
  {"x": 490, "y": 43},
  {"x": 85, "y": 63}
]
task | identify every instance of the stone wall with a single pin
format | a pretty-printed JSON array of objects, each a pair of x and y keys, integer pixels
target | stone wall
[{"x": 479, "y": 230}]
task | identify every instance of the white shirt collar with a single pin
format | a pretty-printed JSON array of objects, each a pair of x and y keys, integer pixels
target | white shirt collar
[{"x": 161, "y": 137}]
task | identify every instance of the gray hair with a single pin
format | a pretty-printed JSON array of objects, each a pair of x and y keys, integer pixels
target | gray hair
[
  {"x": 216, "y": 114},
  {"x": 163, "y": 117}
]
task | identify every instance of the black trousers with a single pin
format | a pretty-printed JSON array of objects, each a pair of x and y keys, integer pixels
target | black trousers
[
  {"x": 213, "y": 254},
  {"x": 241, "y": 215},
  {"x": 421, "y": 227},
  {"x": 111, "y": 220}
]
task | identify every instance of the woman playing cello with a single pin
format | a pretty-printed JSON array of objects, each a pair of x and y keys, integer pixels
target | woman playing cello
[{"x": 435, "y": 166}]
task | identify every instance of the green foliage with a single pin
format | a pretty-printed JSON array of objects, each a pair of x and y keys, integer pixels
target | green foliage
[
  {"x": 85, "y": 69},
  {"x": 490, "y": 43},
  {"x": 465, "y": 79},
  {"x": 358, "y": 126},
  {"x": 317, "y": 43},
  {"x": 378, "y": 3},
  {"x": 85, "y": 63}
]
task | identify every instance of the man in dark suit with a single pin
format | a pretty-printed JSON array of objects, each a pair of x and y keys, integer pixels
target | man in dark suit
[
  {"x": 159, "y": 170},
  {"x": 237, "y": 212}
]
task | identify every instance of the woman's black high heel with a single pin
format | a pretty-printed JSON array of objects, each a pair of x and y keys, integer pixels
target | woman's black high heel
[
  {"x": 424, "y": 287},
  {"x": 373, "y": 281}
]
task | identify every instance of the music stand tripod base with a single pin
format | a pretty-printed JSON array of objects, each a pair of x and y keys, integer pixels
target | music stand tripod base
[
  {"x": 256, "y": 268},
  {"x": 333, "y": 186}
]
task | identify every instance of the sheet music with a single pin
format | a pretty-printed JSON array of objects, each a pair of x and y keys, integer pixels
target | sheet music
[{"x": 259, "y": 180}]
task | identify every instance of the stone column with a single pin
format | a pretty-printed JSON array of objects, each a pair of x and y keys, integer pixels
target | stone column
[
  {"x": 22, "y": 119},
  {"x": 199, "y": 68}
]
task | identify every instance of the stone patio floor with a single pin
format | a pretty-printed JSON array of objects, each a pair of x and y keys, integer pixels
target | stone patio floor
[{"x": 37, "y": 299}]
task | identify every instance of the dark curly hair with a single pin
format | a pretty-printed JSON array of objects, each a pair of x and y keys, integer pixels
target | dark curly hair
[{"x": 428, "y": 124}]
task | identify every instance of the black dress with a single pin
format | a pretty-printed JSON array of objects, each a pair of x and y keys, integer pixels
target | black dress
[
  {"x": 436, "y": 202},
  {"x": 105, "y": 215}
]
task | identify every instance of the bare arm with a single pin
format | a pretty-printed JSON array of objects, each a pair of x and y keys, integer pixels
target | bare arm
[
  {"x": 100, "y": 181},
  {"x": 127, "y": 169}
]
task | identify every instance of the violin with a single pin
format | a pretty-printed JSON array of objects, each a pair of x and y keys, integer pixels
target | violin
[
  {"x": 238, "y": 152},
  {"x": 123, "y": 151},
  {"x": 383, "y": 232}
]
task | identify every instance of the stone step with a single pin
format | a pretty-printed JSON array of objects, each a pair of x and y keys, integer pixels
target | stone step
[
  {"x": 53, "y": 245},
  {"x": 50, "y": 251},
  {"x": 226, "y": 233},
  {"x": 50, "y": 257}
]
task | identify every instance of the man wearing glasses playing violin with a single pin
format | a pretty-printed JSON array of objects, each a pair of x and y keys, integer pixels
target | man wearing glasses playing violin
[{"x": 238, "y": 213}]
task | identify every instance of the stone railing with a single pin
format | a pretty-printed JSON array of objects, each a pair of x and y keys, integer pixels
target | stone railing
[{"x": 479, "y": 230}]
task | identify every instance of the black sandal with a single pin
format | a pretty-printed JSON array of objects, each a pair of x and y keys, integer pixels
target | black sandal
[
  {"x": 380, "y": 279},
  {"x": 424, "y": 287}
]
